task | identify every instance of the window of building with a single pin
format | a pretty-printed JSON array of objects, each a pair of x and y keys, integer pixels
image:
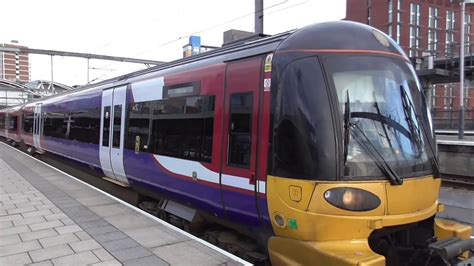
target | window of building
[
  {"x": 390, "y": 18},
  {"x": 433, "y": 27},
  {"x": 414, "y": 29},
  {"x": 369, "y": 11},
  {"x": 450, "y": 19},
  {"x": 399, "y": 30},
  {"x": 467, "y": 35},
  {"x": 448, "y": 97},
  {"x": 240, "y": 130},
  {"x": 399, "y": 20},
  {"x": 368, "y": 15}
]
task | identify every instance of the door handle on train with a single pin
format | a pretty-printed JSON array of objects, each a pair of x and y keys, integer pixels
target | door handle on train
[{"x": 252, "y": 178}]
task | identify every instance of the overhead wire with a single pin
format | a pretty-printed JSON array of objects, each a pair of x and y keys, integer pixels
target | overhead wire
[
  {"x": 202, "y": 30},
  {"x": 219, "y": 25}
]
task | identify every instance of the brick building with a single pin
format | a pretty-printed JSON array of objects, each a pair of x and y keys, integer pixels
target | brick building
[
  {"x": 14, "y": 66},
  {"x": 422, "y": 28}
]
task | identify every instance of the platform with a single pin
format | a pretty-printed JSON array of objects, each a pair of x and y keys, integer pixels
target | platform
[
  {"x": 48, "y": 217},
  {"x": 468, "y": 140},
  {"x": 459, "y": 205}
]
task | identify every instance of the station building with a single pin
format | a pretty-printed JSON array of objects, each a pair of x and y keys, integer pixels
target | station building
[{"x": 14, "y": 66}]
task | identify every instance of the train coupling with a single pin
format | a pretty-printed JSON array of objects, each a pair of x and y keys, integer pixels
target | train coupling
[{"x": 454, "y": 251}]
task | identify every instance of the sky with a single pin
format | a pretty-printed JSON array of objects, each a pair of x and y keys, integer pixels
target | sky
[{"x": 147, "y": 29}]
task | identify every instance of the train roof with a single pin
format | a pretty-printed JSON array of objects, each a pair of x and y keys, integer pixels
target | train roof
[
  {"x": 226, "y": 53},
  {"x": 336, "y": 35},
  {"x": 223, "y": 54}
]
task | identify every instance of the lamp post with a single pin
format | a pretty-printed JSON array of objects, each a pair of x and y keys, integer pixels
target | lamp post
[
  {"x": 461, "y": 73},
  {"x": 461, "y": 66}
]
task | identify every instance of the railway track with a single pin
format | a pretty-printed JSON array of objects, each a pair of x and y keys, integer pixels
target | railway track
[{"x": 457, "y": 181}]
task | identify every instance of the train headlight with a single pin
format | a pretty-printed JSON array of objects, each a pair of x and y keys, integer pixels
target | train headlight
[{"x": 352, "y": 199}]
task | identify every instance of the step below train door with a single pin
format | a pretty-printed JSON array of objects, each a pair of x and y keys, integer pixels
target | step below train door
[{"x": 112, "y": 124}]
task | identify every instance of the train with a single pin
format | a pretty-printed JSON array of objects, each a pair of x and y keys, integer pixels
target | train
[{"x": 316, "y": 142}]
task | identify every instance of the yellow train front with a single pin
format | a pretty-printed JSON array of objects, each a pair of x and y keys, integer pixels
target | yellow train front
[{"x": 353, "y": 177}]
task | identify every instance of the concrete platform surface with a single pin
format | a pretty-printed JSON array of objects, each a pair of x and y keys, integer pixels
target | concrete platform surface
[
  {"x": 459, "y": 205},
  {"x": 454, "y": 140},
  {"x": 49, "y": 218}
]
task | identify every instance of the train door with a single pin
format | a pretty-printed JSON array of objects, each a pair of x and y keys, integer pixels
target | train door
[
  {"x": 112, "y": 133},
  {"x": 7, "y": 125},
  {"x": 239, "y": 164},
  {"x": 37, "y": 125}
]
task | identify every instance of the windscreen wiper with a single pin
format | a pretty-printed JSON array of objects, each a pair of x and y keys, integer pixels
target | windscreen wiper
[
  {"x": 347, "y": 126},
  {"x": 408, "y": 104},
  {"x": 381, "y": 163},
  {"x": 414, "y": 129}
]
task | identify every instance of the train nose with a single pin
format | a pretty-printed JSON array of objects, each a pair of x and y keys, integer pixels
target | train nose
[{"x": 330, "y": 222}]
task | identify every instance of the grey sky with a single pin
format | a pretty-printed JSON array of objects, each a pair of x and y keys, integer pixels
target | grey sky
[{"x": 140, "y": 28}]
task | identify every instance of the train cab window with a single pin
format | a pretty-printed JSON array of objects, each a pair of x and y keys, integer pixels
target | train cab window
[
  {"x": 240, "y": 129},
  {"x": 117, "y": 126},
  {"x": 106, "y": 129},
  {"x": 303, "y": 137}
]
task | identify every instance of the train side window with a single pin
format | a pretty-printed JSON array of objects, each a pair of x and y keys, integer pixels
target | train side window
[
  {"x": 83, "y": 125},
  {"x": 117, "y": 126},
  {"x": 240, "y": 130},
  {"x": 183, "y": 127},
  {"x": 53, "y": 125},
  {"x": 2, "y": 122},
  {"x": 28, "y": 123},
  {"x": 13, "y": 123},
  {"x": 138, "y": 126},
  {"x": 106, "y": 129}
]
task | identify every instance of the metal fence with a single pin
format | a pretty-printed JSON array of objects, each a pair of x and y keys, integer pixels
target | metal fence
[{"x": 449, "y": 119}]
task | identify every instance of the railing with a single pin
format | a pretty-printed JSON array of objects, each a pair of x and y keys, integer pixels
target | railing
[{"x": 449, "y": 119}]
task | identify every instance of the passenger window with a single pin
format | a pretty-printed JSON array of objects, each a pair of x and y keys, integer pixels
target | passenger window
[
  {"x": 106, "y": 129},
  {"x": 117, "y": 126},
  {"x": 138, "y": 126},
  {"x": 83, "y": 125},
  {"x": 12, "y": 123},
  {"x": 28, "y": 123},
  {"x": 54, "y": 125},
  {"x": 240, "y": 129},
  {"x": 183, "y": 127}
]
